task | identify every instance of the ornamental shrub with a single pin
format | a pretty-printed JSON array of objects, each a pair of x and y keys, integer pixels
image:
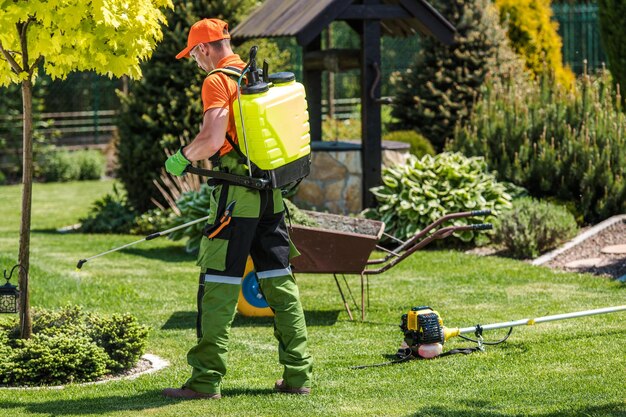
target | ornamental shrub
[
  {"x": 556, "y": 143},
  {"x": 534, "y": 36},
  {"x": 420, "y": 146},
  {"x": 69, "y": 345},
  {"x": 91, "y": 164},
  {"x": 58, "y": 166},
  {"x": 152, "y": 221},
  {"x": 533, "y": 227},
  {"x": 109, "y": 214},
  {"x": 121, "y": 337},
  {"x": 423, "y": 190},
  {"x": 53, "y": 360}
]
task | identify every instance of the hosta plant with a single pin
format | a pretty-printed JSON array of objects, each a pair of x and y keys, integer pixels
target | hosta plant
[{"x": 419, "y": 192}]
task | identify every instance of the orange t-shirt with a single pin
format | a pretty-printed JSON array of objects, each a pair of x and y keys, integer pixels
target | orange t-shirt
[{"x": 219, "y": 91}]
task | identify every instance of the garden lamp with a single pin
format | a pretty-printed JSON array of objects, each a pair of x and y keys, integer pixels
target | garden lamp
[{"x": 9, "y": 294}]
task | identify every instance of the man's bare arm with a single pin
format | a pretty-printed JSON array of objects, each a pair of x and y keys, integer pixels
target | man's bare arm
[{"x": 211, "y": 136}]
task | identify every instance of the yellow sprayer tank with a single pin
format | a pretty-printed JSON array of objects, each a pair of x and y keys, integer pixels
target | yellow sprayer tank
[{"x": 276, "y": 122}]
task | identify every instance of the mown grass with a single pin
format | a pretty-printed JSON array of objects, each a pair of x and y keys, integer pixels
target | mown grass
[{"x": 566, "y": 368}]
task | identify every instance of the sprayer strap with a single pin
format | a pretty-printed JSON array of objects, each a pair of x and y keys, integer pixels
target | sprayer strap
[
  {"x": 230, "y": 71},
  {"x": 234, "y": 74},
  {"x": 243, "y": 180}
]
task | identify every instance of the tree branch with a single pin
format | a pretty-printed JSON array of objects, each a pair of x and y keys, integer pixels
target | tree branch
[
  {"x": 35, "y": 65},
  {"x": 21, "y": 28},
  {"x": 15, "y": 67}
]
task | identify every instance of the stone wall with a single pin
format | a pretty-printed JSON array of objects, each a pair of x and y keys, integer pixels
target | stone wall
[{"x": 334, "y": 184}]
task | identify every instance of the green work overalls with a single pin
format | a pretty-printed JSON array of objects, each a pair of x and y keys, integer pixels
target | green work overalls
[{"x": 257, "y": 227}]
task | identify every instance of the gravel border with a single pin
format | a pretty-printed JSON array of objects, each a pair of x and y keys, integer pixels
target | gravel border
[{"x": 579, "y": 239}]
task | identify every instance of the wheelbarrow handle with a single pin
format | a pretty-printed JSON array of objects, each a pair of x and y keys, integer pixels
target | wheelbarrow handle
[
  {"x": 482, "y": 226},
  {"x": 480, "y": 213}
]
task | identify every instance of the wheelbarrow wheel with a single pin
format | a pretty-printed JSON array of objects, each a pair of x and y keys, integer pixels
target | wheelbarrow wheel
[{"x": 251, "y": 302}]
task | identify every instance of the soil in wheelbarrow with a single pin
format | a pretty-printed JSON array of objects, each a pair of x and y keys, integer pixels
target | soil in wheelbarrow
[{"x": 344, "y": 223}]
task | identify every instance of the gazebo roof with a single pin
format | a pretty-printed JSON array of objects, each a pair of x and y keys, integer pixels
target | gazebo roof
[{"x": 305, "y": 19}]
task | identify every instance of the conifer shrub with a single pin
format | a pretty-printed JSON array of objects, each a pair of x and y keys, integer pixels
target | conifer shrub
[
  {"x": 421, "y": 191},
  {"x": 534, "y": 37},
  {"x": 69, "y": 345},
  {"x": 420, "y": 146},
  {"x": 532, "y": 227},
  {"x": 439, "y": 89},
  {"x": 566, "y": 145}
]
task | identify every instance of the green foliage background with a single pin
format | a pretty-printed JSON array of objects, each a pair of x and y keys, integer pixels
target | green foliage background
[
  {"x": 441, "y": 86},
  {"x": 568, "y": 145},
  {"x": 612, "y": 15}
]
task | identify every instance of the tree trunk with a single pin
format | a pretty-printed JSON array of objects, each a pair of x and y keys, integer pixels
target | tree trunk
[{"x": 27, "y": 191}]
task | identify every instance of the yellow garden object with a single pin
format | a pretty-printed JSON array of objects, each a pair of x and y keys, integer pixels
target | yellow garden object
[
  {"x": 251, "y": 302},
  {"x": 276, "y": 123}
]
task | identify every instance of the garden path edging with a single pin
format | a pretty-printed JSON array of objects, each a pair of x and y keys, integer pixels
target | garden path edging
[
  {"x": 156, "y": 364},
  {"x": 579, "y": 239}
]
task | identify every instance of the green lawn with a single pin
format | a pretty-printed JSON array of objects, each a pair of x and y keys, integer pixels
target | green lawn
[{"x": 567, "y": 368}]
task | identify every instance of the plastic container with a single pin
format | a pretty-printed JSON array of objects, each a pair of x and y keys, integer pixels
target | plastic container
[{"x": 276, "y": 123}]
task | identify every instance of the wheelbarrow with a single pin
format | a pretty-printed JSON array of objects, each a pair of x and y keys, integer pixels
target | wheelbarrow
[{"x": 340, "y": 252}]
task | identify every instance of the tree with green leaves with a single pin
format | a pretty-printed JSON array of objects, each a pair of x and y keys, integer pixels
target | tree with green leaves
[
  {"x": 441, "y": 86},
  {"x": 164, "y": 109},
  {"x": 57, "y": 37},
  {"x": 612, "y": 14}
]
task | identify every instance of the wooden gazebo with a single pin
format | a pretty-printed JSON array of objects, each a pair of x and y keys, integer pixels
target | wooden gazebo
[{"x": 305, "y": 20}]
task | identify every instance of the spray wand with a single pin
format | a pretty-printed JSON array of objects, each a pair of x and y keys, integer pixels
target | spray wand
[{"x": 149, "y": 237}]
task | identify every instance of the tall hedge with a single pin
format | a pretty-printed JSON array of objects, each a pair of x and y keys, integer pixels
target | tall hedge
[
  {"x": 566, "y": 145},
  {"x": 612, "y": 14},
  {"x": 534, "y": 36},
  {"x": 441, "y": 86},
  {"x": 165, "y": 107}
]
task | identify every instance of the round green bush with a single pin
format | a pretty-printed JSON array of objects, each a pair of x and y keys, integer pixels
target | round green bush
[
  {"x": 532, "y": 227},
  {"x": 91, "y": 164},
  {"x": 420, "y": 146},
  {"x": 69, "y": 345},
  {"x": 58, "y": 166}
]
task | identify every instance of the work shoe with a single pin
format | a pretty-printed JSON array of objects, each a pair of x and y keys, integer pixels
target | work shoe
[
  {"x": 282, "y": 387},
  {"x": 188, "y": 394}
]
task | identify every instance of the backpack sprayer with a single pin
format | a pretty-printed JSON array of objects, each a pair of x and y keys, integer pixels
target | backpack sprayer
[
  {"x": 425, "y": 334},
  {"x": 272, "y": 120}
]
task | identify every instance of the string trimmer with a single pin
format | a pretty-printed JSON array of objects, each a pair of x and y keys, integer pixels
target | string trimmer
[{"x": 425, "y": 334}]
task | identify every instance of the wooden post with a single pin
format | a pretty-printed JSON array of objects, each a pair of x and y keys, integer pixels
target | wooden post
[
  {"x": 313, "y": 85},
  {"x": 331, "y": 76},
  {"x": 371, "y": 151}
]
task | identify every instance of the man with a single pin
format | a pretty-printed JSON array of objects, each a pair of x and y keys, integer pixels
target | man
[{"x": 244, "y": 221}]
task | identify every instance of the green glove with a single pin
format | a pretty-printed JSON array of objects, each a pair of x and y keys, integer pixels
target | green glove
[{"x": 177, "y": 163}]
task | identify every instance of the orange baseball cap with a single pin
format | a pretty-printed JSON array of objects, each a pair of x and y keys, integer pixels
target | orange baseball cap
[{"x": 203, "y": 31}]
